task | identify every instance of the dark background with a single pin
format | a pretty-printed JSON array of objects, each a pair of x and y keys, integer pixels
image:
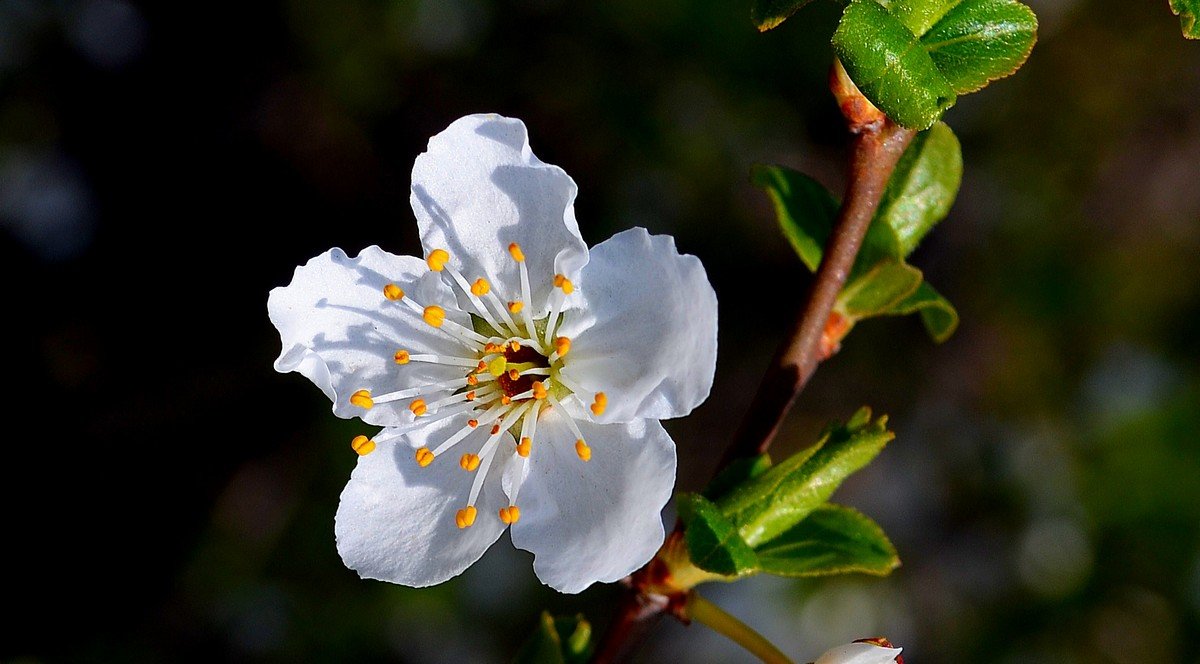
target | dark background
[{"x": 167, "y": 496}]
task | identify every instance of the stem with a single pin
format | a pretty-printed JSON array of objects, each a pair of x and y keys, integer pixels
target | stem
[{"x": 704, "y": 611}]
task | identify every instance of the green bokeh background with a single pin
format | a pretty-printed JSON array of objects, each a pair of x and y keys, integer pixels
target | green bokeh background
[{"x": 169, "y": 497}]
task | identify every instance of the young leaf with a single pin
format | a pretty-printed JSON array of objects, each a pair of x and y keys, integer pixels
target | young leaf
[
  {"x": 922, "y": 187},
  {"x": 713, "y": 543},
  {"x": 918, "y": 15},
  {"x": 879, "y": 289},
  {"x": 737, "y": 472},
  {"x": 886, "y": 61},
  {"x": 937, "y": 314},
  {"x": 980, "y": 41},
  {"x": 563, "y": 640},
  {"x": 831, "y": 540},
  {"x": 804, "y": 207},
  {"x": 780, "y": 498},
  {"x": 1189, "y": 16},
  {"x": 768, "y": 14}
]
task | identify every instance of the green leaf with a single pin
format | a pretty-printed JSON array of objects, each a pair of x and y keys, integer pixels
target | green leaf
[
  {"x": 737, "y": 472},
  {"x": 804, "y": 208},
  {"x": 937, "y": 314},
  {"x": 831, "y": 540},
  {"x": 918, "y": 15},
  {"x": 922, "y": 187},
  {"x": 1188, "y": 12},
  {"x": 879, "y": 289},
  {"x": 563, "y": 640},
  {"x": 765, "y": 507},
  {"x": 768, "y": 14},
  {"x": 887, "y": 62},
  {"x": 712, "y": 541},
  {"x": 980, "y": 41}
]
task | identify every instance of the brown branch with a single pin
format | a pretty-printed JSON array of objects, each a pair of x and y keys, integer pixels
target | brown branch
[{"x": 878, "y": 145}]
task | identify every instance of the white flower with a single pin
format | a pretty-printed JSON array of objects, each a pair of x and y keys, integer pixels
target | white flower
[
  {"x": 872, "y": 651},
  {"x": 527, "y": 373}
]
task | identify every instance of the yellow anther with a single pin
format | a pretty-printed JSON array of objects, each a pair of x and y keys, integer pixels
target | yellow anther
[
  {"x": 524, "y": 446},
  {"x": 418, "y": 407},
  {"x": 472, "y": 423},
  {"x": 401, "y": 357},
  {"x": 435, "y": 315},
  {"x": 562, "y": 346},
  {"x": 515, "y": 306},
  {"x": 472, "y": 380},
  {"x": 495, "y": 429},
  {"x": 490, "y": 347},
  {"x": 393, "y": 292},
  {"x": 465, "y": 517},
  {"x": 469, "y": 462},
  {"x": 539, "y": 389},
  {"x": 510, "y": 514},
  {"x": 362, "y": 445},
  {"x": 362, "y": 399},
  {"x": 437, "y": 259},
  {"x": 582, "y": 449},
  {"x": 514, "y": 346},
  {"x": 497, "y": 366},
  {"x": 471, "y": 395},
  {"x": 517, "y": 254},
  {"x": 481, "y": 367},
  {"x": 505, "y": 399},
  {"x": 599, "y": 404},
  {"x": 480, "y": 287},
  {"x": 424, "y": 457},
  {"x": 513, "y": 374},
  {"x": 561, "y": 281}
]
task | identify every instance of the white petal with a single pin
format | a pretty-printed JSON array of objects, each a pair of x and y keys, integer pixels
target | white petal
[
  {"x": 859, "y": 653},
  {"x": 396, "y": 519},
  {"x": 340, "y": 331},
  {"x": 645, "y": 333},
  {"x": 597, "y": 520},
  {"x": 479, "y": 188}
]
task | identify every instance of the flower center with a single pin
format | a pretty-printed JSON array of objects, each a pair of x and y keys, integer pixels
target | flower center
[{"x": 513, "y": 381}]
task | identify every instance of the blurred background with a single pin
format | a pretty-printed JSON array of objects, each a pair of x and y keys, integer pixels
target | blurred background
[{"x": 167, "y": 496}]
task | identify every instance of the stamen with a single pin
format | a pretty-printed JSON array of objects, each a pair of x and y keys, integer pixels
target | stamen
[
  {"x": 472, "y": 380},
  {"x": 434, "y": 315},
  {"x": 469, "y": 396},
  {"x": 515, "y": 250},
  {"x": 472, "y": 423},
  {"x": 539, "y": 390},
  {"x": 362, "y": 445},
  {"x": 465, "y": 517},
  {"x": 470, "y": 291},
  {"x": 556, "y": 301},
  {"x": 393, "y": 292},
  {"x": 514, "y": 374},
  {"x": 487, "y": 451},
  {"x": 423, "y": 389},
  {"x": 515, "y": 306},
  {"x": 418, "y": 407},
  {"x": 488, "y": 416},
  {"x": 449, "y": 360},
  {"x": 402, "y": 357},
  {"x": 480, "y": 288},
  {"x": 524, "y": 447},
  {"x": 437, "y": 259},
  {"x": 362, "y": 399},
  {"x": 469, "y": 462},
  {"x": 561, "y": 281},
  {"x": 424, "y": 457},
  {"x": 528, "y": 430},
  {"x": 582, "y": 449},
  {"x": 527, "y": 316},
  {"x": 562, "y": 346},
  {"x": 510, "y": 514},
  {"x": 600, "y": 403}
]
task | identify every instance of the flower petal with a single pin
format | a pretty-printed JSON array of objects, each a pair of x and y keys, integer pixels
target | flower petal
[
  {"x": 645, "y": 333},
  {"x": 340, "y": 331},
  {"x": 479, "y": 188},
  {"x": 597, "y": 520},
  {"x": 859, "y": 653},
  {"x": 395, "y": 521}
]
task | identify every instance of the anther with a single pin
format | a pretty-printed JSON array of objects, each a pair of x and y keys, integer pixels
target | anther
[
  {"x": 424, "y": 457},
  {"x": 490, "y": 347},
  {"x": 481, "y": 367},
  {"x": 505, "y": 399},
  {"x": 513, "y": 374},
  {"x": 469, "y": 462},
  {"x": 495, "y": 429},
  {"x": 561, "y": 281},
  {"x": 582, "y": 449},
  {"x": 465, "y": 517},
  {"x": 514, "y": 346},
  {"x": 434, "y": 315},
  {"x": 539, "y": 389},
  {"x": 437, "y": 259},
  {"x": 517, "y": 254},
  {"x": 362, "y": 399},
  {"x": 471, "y": 395},
  {"x": 472, "y": 380},
  {"x": 562, "y": 346},
  {"x": 472, "y": 423},
  {"x": 480, "y": 287},
  {"x": 393, "y": 292},
  {"x": 515, "y": 306},
  {"x": 510, "y": 514},
  {"x": 418, "y": 407},
  {"x": 362, "y": 445},
  {"x": 599, "y": 404},
  {"x": 401, "y": 357},
  {"x": 524, "y": 446}
]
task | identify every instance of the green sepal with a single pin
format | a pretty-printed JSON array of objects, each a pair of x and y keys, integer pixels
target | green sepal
[
  {"x": 765, "y": 507},
  {"x": 712, "y": 541},
  {"x": 738, "y": 471},
  {"x": 562, "y": 640},
  {"x": 831, "y": 540},
  {"x": 768, "y": 14},
  {"x": 1188, "y": 12}
]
